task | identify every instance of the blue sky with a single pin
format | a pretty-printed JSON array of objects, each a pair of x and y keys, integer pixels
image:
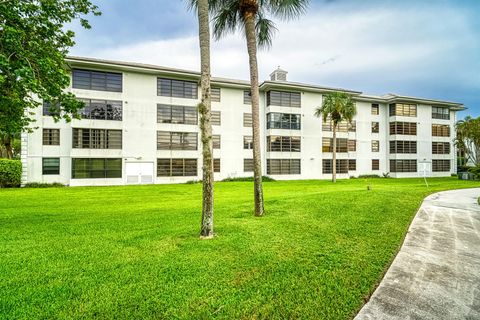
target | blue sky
[{"x": 428, "y": 49}]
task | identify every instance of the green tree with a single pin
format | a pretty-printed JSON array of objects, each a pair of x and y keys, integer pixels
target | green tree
[
  {"x": 468, "y": 139},
  {"x": 34, "y": 42},
  {"x": 251, "y": 17},
  {"x": 336, "y": 107},
  {"x": 206, "y": 230}
]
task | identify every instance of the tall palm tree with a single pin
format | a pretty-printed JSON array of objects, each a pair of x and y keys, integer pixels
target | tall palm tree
[
  {"x": 338, "y": 107},
  {"x": 250, "y": 16},
  {"x": 204, "y": 108}
]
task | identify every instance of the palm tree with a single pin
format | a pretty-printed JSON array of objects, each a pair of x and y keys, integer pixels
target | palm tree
[
  {"x": 250, "y": 16},
  {"x": 338, "y": 106},
  {"x": 204, "y": 108}
]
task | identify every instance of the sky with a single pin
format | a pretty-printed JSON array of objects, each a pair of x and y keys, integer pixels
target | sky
[{"x": 428, "y": 49}]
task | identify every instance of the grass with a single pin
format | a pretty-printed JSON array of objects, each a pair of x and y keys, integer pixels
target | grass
[{"x": 133, "y": 252}]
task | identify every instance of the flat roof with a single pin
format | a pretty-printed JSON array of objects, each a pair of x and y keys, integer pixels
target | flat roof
[{"x": 189, "y": 74}]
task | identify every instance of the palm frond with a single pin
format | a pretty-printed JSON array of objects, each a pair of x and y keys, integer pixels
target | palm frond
[
  {"x": 226, "y": 18},
  {"x": 265, "y": 29},
  {"x": 286, "y": 9}
]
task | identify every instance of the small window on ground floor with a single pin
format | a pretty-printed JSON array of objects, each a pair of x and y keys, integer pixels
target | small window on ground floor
[{"x": 50, "y": 166}]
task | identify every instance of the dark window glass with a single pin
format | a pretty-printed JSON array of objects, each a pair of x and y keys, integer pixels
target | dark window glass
[
  {"x": 50, "y": 166},
  {"x": 440, "y": 113},
  {"x": 403, "y": 109},
  {"x": 101, "y": 110},
  {"x": 216, "y": 94},
  {"x": 247, "y": 97},
  {"x": 176, "y": 114},
  {"x": 283, "y": 166},
  {"x": 375, "y": 164},
  {"x": 283, "y": 121},
  {"x": 440, "y": 165},
  {"x": 216, "y": 118},
  {"x": 247, "y": 119},
  {"x": 97, "y": 80},
  {"x": 440, "y": 130},
  {"x": 343, "y": 145},
  {"x": 83, "y": 168},
  {"x": 51, "y": 137},
  {"x": 216, "y": 141},
  {"x": 403, "y": 165},
  {"x": 375, "y": 146},
  {"x": 343, "y": 126},
  {"x": 342, "y": 165},
  {"x": 403, "y": 147},
  {"x": 177, "y": 88},
  {"x": 284, "y": 99},
  {"x": 247, "y": 142},
  {"x": 167, "y": 140},
  {"x": 352, "y": 165},
  {"x": 283, "y": 143},
  {"x": 216, "y": 165},
  {"x": 84, "y": 138},
  {"x": 375, "y": 127},
  {"x": 176, "y": 167},
  {"x": 441, "y": 147},
  {"x": 375, "y": 109},
  {"x": 405, "y": 128},
  {"x": 247, "y": 165}
]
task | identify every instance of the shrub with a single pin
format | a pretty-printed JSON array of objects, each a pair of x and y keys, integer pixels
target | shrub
[
  {"x": 264, "y": 179},
  {"x": 475, "y": 171},
  {"x": 386, "y": 174},
  {"x": 368, "y": 176},
  {"x": 44, "y": 185},
  {"x": 10, "y": 173}
]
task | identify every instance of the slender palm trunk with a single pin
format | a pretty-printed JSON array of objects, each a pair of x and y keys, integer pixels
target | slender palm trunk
[
  {"x": 205, "y": 124},
  {"x": 334, "y": 160},
  {"x": 257, "y": 162}
]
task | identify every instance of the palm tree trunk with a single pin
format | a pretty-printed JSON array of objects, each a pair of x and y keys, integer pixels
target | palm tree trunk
[
  {"x": 205, "y": 124},
  {"x": 257, "y": 162},
  {"x": 334, "y": 161}
]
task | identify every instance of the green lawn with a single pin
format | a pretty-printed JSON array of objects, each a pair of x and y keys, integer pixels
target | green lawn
[{"x": 133, "y": 252}]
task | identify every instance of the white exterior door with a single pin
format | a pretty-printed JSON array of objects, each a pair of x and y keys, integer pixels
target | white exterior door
[{"x": 139, "y": 172}]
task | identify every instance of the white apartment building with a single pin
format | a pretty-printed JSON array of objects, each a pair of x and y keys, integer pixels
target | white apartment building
[{"x": 140, "y": 125}]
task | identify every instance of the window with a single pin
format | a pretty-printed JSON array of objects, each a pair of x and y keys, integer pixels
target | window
[
  {"x": 216, "y": 165},
  {"x": 50, "y": 166},
  {"x": 342, "y": 144},
  {"x": 97, "y": 80},
  {"x": 215, "y": 94},
  {"x": 375, "y": 127},
  {"x": 216, "y": 141},
  {"x": 51, "y": 137},
  {"x": 83, "y": 168},
  {"x": 352, "y": 145},
  {"x": 283, "y": 99},
  {"x": 176, "y": 167},
  {"x": 403, "y": 147},
  {"x": 84, "y": 138},
  {"x": 247, "y": 142},
  {"x": 403, "y": 165},
  {"x": 247, "y": 97},
  {"x": 101, "y": 110},
  {"x": 283, "y": 121},
  {"x": 343, "y": 126},
  {"x": 406, "y": 128},
  {"x": 441, "y": 147},
  {"x": 48, "y": 109},
  {"x": 342, "y": 165},
  {"x": 167, "y": 140},
  {"x": 247, "y": 119},
  {"x": 403, "y": 109},
  {"x": 283, "y": 144},
  {"x": 375, "y": 109},
  {"x": 177, "y": 88},
  {"x": 247, "y": 165},
  {"x": 440, "y": 113},
  {"x": 441, "y": 165},
  {"x": 352, "y": 165},
  {"x": 283, "y": 166},
  {"x": 440, "y": 130},
  {"x": 375, "y": 164},
  {"x": 176, "y": 114},
  {"x": 216, "y": 118},
  {"x": 375, "y": 146}
]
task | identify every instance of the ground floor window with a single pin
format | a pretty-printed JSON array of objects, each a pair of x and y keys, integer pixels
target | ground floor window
[
  {"x": 343, "y": 165},
  {"x": 216, "y": 165},
  {"x": 403, "y": 165},
  {"x": 91, "y": 168},
  {"x": 176, "y": 167},
  {"x": 441, "y": 165},
  {"x": 247, "y": 165},
  {"x": 283, "y": 166},
  {"x": 375, "y": 164},
  {"x": 50, "y": 166}
]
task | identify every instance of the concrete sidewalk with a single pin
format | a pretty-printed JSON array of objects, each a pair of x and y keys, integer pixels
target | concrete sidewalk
[{"x": 436, "y": 274}]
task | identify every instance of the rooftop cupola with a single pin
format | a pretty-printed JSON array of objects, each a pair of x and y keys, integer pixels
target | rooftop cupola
[{"x": 278, "y": 75}]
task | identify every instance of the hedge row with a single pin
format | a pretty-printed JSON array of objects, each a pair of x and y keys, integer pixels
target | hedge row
[{"x": 10, "y": 173}]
